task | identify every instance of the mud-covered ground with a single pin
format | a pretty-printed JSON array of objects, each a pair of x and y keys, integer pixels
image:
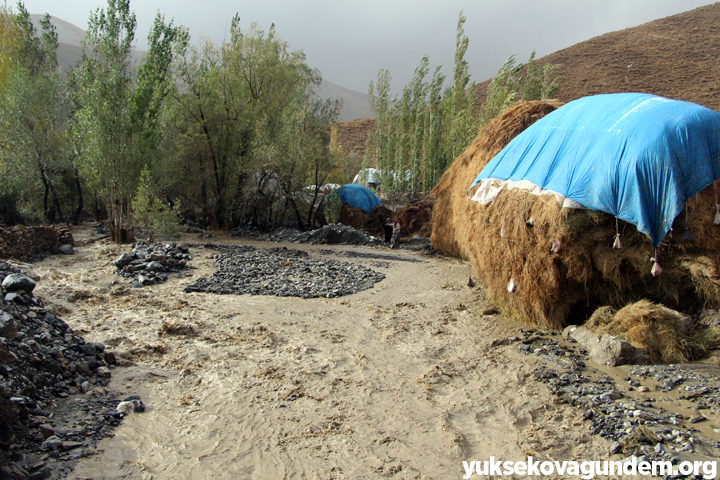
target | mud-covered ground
[{"x": 403, "y": 380}]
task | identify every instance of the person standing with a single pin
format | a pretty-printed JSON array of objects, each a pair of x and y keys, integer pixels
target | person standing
[
  {"x": 388, "y": 228},
  {"x": 396, "y": 234}
]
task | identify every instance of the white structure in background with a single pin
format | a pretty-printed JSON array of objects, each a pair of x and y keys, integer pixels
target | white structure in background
[
  {"x": 370, "y": 177},
  {"x": 327, "y": 188}
]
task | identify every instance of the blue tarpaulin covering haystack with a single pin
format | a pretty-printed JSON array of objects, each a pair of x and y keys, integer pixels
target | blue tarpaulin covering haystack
[
  {"x": 636, "y": 156},
  {"x": 358, "y": 196}
]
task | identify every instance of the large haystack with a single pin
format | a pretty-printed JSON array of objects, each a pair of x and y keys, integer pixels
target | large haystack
[
  {"x": 544, "y": 265},
  {"x": 451, "y": 190}
]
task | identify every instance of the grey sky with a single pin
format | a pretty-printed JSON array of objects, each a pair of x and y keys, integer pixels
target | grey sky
[{"x": 350, "y": 40}]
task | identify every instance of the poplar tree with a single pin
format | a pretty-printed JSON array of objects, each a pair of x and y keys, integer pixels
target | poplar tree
[
  {"x": 419, "y": 90},
  {"x": 460, "y": 100},
  {"x": 433, "y": 163},
  {"x": 382, "y": 106}
]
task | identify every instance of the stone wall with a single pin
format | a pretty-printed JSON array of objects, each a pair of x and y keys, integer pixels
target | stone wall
[{"x": 24, "y": 243}]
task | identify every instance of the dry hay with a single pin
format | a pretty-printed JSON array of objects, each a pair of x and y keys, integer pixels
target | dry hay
[
  {"x": 561, "y": 261},
  {"x": 416, "y": 217},
  {"x": 663, "y": 334},
  {"x": 371, "y": 223},
  {"x": 375, "y": 222},
  {"x": 451, "y": 190},
  {"x": 354, "y": 217}
]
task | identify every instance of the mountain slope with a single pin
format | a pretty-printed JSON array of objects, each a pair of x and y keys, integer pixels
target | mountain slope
[
  {"x": 675, "y": 57},
  {"x": 355, "y": 104}
]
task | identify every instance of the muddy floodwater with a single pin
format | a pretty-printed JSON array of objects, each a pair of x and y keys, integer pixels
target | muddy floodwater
[{"x": 397, "y": 381}]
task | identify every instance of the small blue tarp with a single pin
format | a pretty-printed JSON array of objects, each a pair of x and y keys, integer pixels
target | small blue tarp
[
  {"x": 358, "y": 196},
  {"x": 636, "y": 156}
]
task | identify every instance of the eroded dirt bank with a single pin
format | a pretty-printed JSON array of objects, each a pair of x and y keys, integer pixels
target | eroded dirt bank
[{"x": 399, "y": 380}]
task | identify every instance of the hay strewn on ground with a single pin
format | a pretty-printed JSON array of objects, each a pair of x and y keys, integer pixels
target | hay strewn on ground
[
  {"x": 663, "y": 334},
  {"x": 559, "y": 263}
]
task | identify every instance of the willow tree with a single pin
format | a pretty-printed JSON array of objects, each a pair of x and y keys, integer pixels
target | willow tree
[
  {"x": 31, "y": 103},
  {"x": 114, "y": 116},
  {"x": 230, "y": 118}
]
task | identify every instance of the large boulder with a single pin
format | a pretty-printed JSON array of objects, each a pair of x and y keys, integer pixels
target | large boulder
[
  {"x": 18, "y": 281},
  {"x": 607, "y": 349},
  {"x": 123, "y": 260}
]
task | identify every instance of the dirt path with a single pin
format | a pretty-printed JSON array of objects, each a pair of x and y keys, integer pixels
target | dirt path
[{"x": 398, "y": 381}]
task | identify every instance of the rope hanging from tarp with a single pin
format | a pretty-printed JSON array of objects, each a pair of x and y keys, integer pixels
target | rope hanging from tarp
[
  {"x": 617, "y": 244},
  {"x": 656, "y": 268}
]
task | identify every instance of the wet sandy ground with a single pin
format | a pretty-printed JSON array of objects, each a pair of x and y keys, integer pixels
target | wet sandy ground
[{"x": 397, "y": 381}]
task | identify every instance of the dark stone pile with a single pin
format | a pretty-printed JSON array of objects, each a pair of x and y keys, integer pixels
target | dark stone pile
[
  {"x": 635, "y": 427},
  {"x": 150, "y": 264},
  {"x": 28, "y": 243},
  {"x": 333, "y": 234},
  {"x": 283, "y": 273},
  {"x": 44, "y": 368}
]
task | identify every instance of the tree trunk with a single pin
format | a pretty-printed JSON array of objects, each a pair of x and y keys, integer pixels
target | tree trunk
[{"x": 77, "y": 216}]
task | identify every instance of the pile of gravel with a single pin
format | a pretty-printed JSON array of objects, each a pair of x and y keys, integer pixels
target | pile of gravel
[
  {"x": 283, "y": 273},
  {"x": 54, "y": 407},
  {"x": 150, "y": 264},
  {"x": 333, "y": 234}
]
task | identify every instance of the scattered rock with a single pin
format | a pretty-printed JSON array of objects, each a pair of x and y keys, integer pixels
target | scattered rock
[
  {"x": 44, "y": 364},
  {"x": 152, "y": 262},
  {"x": 66, "y": 249}
]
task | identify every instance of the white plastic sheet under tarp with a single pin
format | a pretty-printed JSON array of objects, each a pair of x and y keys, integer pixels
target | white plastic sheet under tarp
[{"x": 489, "y": 188}]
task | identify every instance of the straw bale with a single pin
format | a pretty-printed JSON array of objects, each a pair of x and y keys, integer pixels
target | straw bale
[
  {"x": 561, "y": 261},
  {"x": 663, "y": 334}
]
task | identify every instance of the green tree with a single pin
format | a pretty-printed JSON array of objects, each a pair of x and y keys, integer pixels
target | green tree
[
  {"x": 230, "y": 116},
  {"x": 460, "y": 101},
  {"x": 31, "y": 114},
  {"x": 103, "y": 96},
  {"x": 9, "y": 42},
  {"x": 539, "y": 83},
  {"x": 153, "y": 214},
  {"x": 379, "y": 146},
  {"x": 518, "y": 81},
  {"x": 306, "y": 159},
  {"x": 433, "y": 161},
  {"x": 115, "y": 114}
]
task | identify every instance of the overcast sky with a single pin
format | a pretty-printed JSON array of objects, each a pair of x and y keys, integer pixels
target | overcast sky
[{"x": 349, "y": 41}]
